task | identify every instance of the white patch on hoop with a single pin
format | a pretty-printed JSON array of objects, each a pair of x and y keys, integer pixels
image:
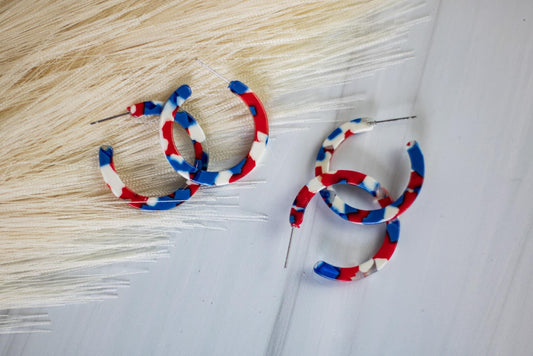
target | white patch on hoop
[
  {"x": 380, "y": 263},
  {"x": 335, "y": 141},
  {"x": 390, "y": 212},
  {"x": 196, "y": 133},
  {"x": 166, "y": 115},
  {"x": 357, "y": 127},
  {"x": 176, "y": 158},
  {"x": 315, "y": 185},
  {"x": 365, "y": 267},
  {"x": 371, "y": 184},
  {"x": 180, "y": 101},
  {"x": 257, "y": 150},
  {"x": 152, "y": 201},
  {"x": 223, "y": 177},
  {"x": 112, "y": 179},
  {"x": 338, "y": 204},
  {"x": 164, "y": 143}
]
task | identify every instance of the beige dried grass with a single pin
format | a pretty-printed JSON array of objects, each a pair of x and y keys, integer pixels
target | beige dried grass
[{"x": 64, "y": 64}]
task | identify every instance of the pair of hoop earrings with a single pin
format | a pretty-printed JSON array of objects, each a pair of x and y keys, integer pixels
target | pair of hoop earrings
[
  {"x": 388, "y": 213},
  {"x": 197, "y": 174}
]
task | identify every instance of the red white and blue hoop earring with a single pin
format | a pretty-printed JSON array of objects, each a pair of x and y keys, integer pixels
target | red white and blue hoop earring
[
  {"x": 202, "y": 175},
  {"x": 392, "y": 232},
  {"x": 120, "y": 190},
  {"x": 388, "y": 213}
]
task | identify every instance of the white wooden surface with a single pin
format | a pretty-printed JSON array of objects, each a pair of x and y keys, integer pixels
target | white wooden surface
[{"x": 460, "y": 282}]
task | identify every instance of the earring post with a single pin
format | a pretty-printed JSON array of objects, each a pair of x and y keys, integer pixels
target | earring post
[
  {"x": 212, "y": 70},
  {"x": 109, "y": 118},
  {"x": 395, "y": 119},
  {"x": 288, "y": 249}
]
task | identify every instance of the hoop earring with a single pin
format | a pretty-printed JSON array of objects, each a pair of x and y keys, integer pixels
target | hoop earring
[
  {"x": 202, "y": 175},
  {"x": 388, "y": 212},
  {"x": 392, "y": 232},
  {"x": 120, "y": 190}
]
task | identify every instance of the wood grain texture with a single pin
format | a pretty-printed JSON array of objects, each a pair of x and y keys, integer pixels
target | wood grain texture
[{"x": 460, "y": 282}]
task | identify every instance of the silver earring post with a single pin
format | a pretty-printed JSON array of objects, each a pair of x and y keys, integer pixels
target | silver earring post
[
  {"x": 212, "y": 70},
  {"x": 288, "y": 249},
  {"x": 395, "y": 119},
  {"x": 370, "y": 122},
  {"x": 109, "y": 118}
]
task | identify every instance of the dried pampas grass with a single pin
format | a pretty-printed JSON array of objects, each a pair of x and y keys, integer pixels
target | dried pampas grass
[{"x": 65, "y": 63}]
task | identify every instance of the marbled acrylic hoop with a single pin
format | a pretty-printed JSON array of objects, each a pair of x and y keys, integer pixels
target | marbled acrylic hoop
[{"x": 203, "y": 176}]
